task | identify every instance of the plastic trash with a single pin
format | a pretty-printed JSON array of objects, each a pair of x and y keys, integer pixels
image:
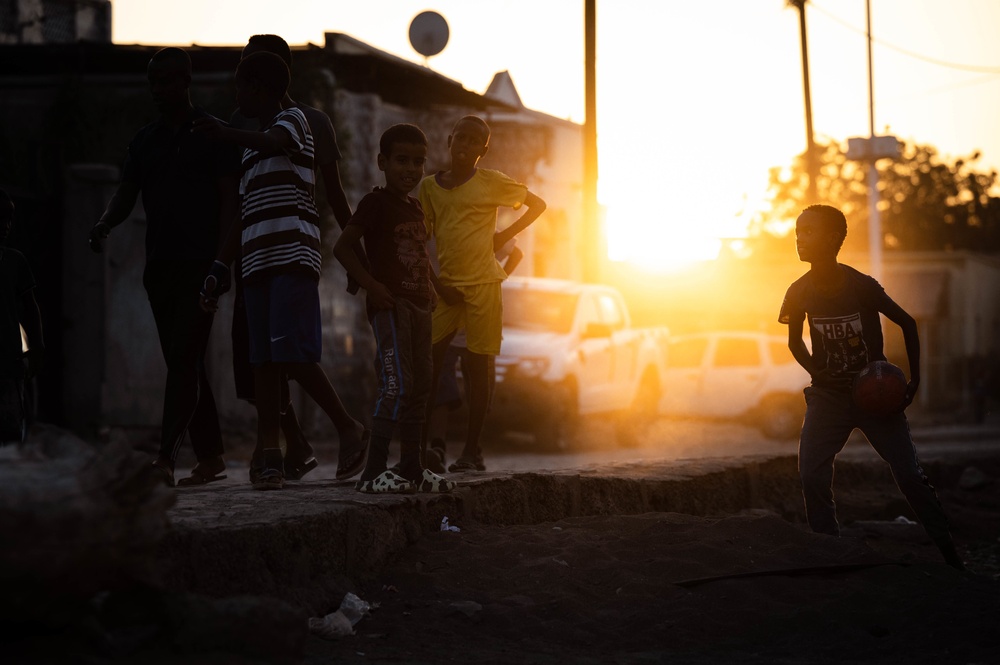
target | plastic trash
[
  {"x": 445, "y": 526},
  {"x": 902, "y": 519},
  {"x": 341, "y": 623},
  {"x": 354, "y": 608},
  {"x": 331, "y": 627}
]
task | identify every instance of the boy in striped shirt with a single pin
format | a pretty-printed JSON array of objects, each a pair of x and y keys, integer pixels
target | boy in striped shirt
[{"x": 280, "y": 249}]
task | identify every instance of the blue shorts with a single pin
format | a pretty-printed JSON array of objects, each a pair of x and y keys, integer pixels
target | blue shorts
[{"x": 283, "y": 319}]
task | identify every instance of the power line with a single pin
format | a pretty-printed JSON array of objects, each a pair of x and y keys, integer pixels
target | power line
[{"x": 982, "y": 69}]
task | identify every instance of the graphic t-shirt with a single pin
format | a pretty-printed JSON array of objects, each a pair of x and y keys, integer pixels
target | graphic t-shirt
[
  {"x": 463, "y": 220},
  {"x": 280, "y": 222},
  {"x": 844, "y": 327},
  {"x": 396, "y": 243}
]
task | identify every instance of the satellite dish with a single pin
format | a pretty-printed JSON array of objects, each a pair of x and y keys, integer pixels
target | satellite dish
[{"x": 428, "y": 33}]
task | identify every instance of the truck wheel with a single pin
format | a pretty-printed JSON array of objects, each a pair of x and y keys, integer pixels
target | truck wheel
[
  {"x": 780, "y": 416},
  {"x": 557, "y": 432},
  {"x": 634, "y": 425}
]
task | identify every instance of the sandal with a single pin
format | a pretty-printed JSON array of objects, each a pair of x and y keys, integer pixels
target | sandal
[
  {"x": 355, "y": 463},
  {"x": 386, "y": 482},
  {"x": 431, "y": 483},
  {"x": 295, "y": 470},
  {"x": 203, "y": 476},
  {"x": 463, "y": 464},
  {"x": 163, "y": 471}
]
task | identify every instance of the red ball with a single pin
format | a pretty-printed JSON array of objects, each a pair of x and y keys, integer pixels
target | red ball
[{"x": 879, "y": 388}]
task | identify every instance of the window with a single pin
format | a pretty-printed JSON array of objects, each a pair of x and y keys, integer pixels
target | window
[{"x": 611, "y": 312}]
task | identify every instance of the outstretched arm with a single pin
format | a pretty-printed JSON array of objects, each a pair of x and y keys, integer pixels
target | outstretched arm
[
  {"x": 911, "y": 338},
  {"x": 119, "y": 208},
  {"x": 535, "y": 207},
  {"x": 275, "y": 139}
]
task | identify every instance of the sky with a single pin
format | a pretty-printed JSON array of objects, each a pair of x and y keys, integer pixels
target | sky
[{"x": 696, "y": 100}]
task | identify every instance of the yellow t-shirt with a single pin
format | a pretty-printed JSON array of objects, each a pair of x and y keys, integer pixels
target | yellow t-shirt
[{"x": 462, "y": 222}]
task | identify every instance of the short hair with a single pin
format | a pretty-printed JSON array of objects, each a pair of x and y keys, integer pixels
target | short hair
[
  {"x": 401, "y": 133},
  {"x": 266, "y": 69},
  {"x": 173, "y": 57},
  {"x": 475, "y": 119},
  {"x": 272, "y": 44},
  {"x": 832, "y": 218}
]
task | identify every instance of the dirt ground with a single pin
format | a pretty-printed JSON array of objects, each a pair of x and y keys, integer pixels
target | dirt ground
[{"x": 664, "y": 587}]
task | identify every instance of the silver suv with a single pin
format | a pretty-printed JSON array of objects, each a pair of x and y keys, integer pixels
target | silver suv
[{"x": 747, "y": 376}]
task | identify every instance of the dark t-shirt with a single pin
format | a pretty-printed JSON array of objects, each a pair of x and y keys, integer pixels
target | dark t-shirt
[
  {"x": 844, "y": 327},
  {"x": 178, "y": 173},
  {"x": 15, "y": 280},
  {"x": 396, "y": 243}
]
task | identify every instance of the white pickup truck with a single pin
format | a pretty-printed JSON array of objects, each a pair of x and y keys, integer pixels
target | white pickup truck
[{"x": 569, "y": 351}]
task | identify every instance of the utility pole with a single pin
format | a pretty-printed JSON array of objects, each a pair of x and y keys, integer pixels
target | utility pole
[
  {"x": 812, "y": 168},
  {"x": 591, "y": 226},
  {"x": 874, "y": 220}
]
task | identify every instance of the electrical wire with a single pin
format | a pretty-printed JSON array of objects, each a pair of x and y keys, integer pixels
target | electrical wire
[{"x": 982, "y": 69}]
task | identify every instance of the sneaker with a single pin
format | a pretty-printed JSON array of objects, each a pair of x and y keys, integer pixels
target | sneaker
[
  {"x": 387, "y": 482},
  {"x": 269, "y": 479},
  {"x": 431, "y": 483}
]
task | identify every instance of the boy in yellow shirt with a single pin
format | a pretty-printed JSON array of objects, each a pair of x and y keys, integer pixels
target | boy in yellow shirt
[{"x": 460, "y": 209}]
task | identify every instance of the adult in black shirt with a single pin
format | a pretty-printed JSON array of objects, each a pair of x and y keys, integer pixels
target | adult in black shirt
[{"x": 189, "y": 188}]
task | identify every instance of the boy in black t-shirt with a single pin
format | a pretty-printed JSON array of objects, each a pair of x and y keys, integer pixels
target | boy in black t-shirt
[
  {"x": 842, "y": 306},
  {"x": 400, "y": 303}
]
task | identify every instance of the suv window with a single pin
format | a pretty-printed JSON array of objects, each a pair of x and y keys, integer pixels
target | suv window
[
  {"x": 734, "y": 352},
  {"x": 686, "y": 353},
  {"x": 611, "y": 313}
]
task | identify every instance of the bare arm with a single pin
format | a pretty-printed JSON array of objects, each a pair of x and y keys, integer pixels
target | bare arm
[
  {"x": 335, "y": 195},
  {"x": 275, "y": 139},
  {"x": 513, "y": 260},
  {"x": 119, "y": 208},
  {"x": 535, "y": 207},
  {"x": 449, "y": 294},
  {"x": 31, "y": 321},
  {"x": 911, "y": 339},
  {"x": 796, "y": 344},
  {"x": 337, "y": 198},
  {"x": 378, "y": 293}
]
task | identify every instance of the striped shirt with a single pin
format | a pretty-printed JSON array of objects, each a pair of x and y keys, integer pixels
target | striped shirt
[{"x": 280, "y": 222}]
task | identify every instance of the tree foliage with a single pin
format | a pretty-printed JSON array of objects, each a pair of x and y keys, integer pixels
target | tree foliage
[{"x": 925, "y": 202}]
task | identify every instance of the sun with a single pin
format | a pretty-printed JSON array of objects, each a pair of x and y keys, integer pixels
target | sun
[{"x": 658, "y": 239}]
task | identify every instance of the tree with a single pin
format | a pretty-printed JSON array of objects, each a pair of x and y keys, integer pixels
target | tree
[{"x": 925, "y": 202}]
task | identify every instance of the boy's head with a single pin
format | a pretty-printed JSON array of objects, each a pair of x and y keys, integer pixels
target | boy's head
[
  {"x": 169, "y": 75},
  {"x": 401, "y": 156},
  {"x": 269, "y": 44},
  {"x": 819, "y": 233},
  {"x": 469, "y": 141},
  {"x": 6, "y": 215},
  {"x": 261, "y": 82}
]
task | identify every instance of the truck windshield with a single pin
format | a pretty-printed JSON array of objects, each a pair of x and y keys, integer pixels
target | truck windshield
[{"x": 539, "y": 310}]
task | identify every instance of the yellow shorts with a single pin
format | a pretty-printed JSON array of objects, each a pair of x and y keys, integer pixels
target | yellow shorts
[{"x": 480, "y": 313}]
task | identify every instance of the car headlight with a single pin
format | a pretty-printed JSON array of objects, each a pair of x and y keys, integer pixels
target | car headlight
[{"x": 532, "y": 367}]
